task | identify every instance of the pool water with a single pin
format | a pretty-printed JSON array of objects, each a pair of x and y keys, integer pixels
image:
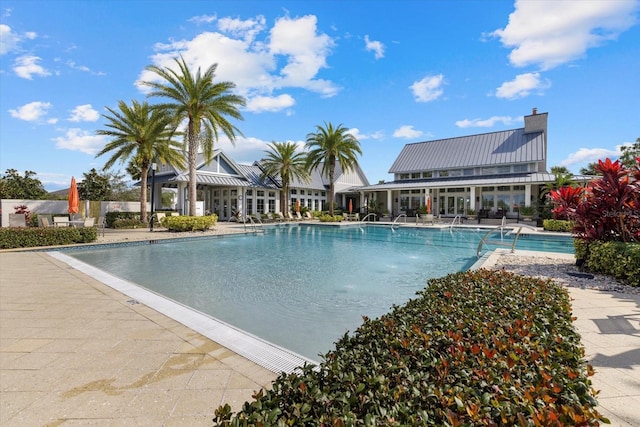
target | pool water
[{"x": 300, "y": 287}]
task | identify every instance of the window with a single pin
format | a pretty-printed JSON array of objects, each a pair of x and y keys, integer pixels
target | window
[
  {"x": 455, "y": 172},
  {"x": 443, "y": 173},
  {"x": 260, "y": 193},
  {"x": 467, "y": 172},
  {"x": 518, "y": 188},
  {"x": 427, "y": 174},
  {"x": 521, "y": 168},
  {"x": 272, "y": 205},
  {"x": 260, "y": 206},
  {"x": 488, "y": 188},
  {"x": 504, "y": 169},
  {"x": 487, "y": 201},
  {"x": 249, "y": 205},
  {"x": 404, "y": 176},
  {"x": 272, "y": 194},
  {"x": 294, "y": 191},
  {"x": 249, "y": 193},
  {"x": 488, "y": 171},
  {"x": 504, "y": 188}
]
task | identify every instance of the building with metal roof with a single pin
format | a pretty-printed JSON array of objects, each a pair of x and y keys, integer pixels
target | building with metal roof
[
  {"x": 494, "y": 173},
  {"x": 228, "y": 188}
]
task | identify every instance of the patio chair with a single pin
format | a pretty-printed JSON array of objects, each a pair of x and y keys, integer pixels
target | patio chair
[
  {"x": 101, "y": 224},
  {"x": 61, "y": 221},
  {"x": 291, "y": 218},
  {"x": 281, "y": 217},
  {"x": 308, "y": 215},
  {"x": 89, "y": 222},
  {"x": 44, "y": 221}
]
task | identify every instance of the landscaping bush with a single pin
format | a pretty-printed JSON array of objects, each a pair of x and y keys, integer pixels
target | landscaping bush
[
  {"x": 557, "y": 225},
  {"x": 618, "y": 259},
  {"x": 474, "y": 348},
  {"x": 189, "y": 223},
  {"x": 329, "y": 218},
  {"x": 11, "y": 238},
  {"x": 112, "y": 217},
  {"x": 129, "y": 223}
]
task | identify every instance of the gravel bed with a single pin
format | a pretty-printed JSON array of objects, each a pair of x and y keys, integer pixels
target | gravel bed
[{"x": 562, "y": 271}]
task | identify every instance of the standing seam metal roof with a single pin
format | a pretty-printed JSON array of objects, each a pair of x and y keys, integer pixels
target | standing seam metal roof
[{"x": 489, "y": 149}]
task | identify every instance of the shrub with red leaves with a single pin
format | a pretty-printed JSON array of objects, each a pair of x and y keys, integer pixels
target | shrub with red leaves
[{"x": 610, "y": 210}]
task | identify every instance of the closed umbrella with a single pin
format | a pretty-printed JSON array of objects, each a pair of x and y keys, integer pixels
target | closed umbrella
[
  {"x": 428, "y": 204},
  {"x": 350, "y": 205},
  {"x": 74, "y": 199},
  {"x": 297, "y": 205}
]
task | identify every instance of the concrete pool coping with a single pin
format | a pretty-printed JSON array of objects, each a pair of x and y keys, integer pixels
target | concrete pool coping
[{"x": 60, "y": 362}]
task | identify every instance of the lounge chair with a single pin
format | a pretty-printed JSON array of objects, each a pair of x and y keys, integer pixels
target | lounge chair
[
  {"x": 282, "y": 217},
  {"x": 44, "y": 221},
  {"x": 308, "y": 215},
  {"x": 299, "y": 217},
  {"x": 158, "y": 218},
  {"x": 291, "y": 218},
  {"x": 89, "y": 222}
]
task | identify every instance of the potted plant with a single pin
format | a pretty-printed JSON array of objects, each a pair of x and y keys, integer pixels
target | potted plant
[
  {"x": 471, "y": 213},
  {"x": 526, "y": 212}
]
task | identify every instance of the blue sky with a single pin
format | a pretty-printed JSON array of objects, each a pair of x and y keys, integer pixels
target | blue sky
[{"x": 394, "y": 72}]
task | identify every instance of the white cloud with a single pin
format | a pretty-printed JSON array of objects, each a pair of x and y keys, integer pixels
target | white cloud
[
  {"x": 203, "y": 19},
  {"x": 251, "y": 57},
  {"x": 8, "y": 39},
  {"x": 374, "y": 46},
  {"x": 84, "y": 113},
  {"x": 270, "y": 103},
  {"x": 245, "y": 29},
  {"x": 591, "y": 155},
  {"x": 486, "y": 123},
  {"x": 407, "y": 132},
  {"x": 32, "y": 112},
  {"x": 80, "y": 140},
  {"x": 26, "y": 66},
  {"x": 522, "y": 86},
  {"x": 363, "y": 136},
  {"x": 428, "y": 89},
  {"x": 548, "y": 34}
]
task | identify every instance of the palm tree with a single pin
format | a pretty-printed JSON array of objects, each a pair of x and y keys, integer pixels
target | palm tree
[
  {"x": 283, "y": 160},
  {"x": 329, "y": 145},
  {"x": 203, "y": 104},
  {"x": 141, "y": 133}
]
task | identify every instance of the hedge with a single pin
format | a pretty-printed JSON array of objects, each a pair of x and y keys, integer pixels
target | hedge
[
  {"x": 618, "y": 259},
  {"x": 11, "y": 237},
  {"x": 557, "y": 225},
  {"x": 474, "y": 348},
  {"x": 189, "y": 223}
]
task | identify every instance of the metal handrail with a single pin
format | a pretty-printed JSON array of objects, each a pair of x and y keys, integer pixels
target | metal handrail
[
  {"x": 368, "y": 215},
  {"x": 398, "y": 217},
  {"x": 250, "y": 218},
  {"x": 483, "y": 240},
  {"x": 459, "y": 218}
]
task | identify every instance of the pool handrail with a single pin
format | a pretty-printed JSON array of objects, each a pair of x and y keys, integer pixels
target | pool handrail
[
  {"x": 254, "y": 225},
  {"x": 483, "y": 239},
  {"x": 459, "y": 218},
  {"x": 368, "y": 215}
]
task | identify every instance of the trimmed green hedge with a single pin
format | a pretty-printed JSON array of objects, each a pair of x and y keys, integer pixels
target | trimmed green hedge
[
  {"x": 329, "y": 218},
  {"x": 557, "y": 225},
  {"x": 474, "y": 348},
  {"x": 11, "y": 238},
  {"x": 189, "y": 223},
  {"x": 618, "y": 259}
]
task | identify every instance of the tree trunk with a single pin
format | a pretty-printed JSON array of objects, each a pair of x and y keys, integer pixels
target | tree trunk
[
  {"x": 143, "y": 194},
  {"x": 193, "y": 156}
]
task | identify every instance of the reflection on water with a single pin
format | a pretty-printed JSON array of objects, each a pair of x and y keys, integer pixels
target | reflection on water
[{"x": 299, "y": 287}]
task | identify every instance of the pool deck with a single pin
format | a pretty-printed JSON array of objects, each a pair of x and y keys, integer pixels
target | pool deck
[{"x": 74, "y": 351}]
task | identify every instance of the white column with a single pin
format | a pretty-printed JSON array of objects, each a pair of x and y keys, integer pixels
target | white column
[
  {"x": 389, "y": 201},
  {"x": 527, "y": 195},
  {"x": 472, "y": 198}
]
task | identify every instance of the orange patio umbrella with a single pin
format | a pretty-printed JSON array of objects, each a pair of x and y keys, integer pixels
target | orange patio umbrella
[
  {"x": 74, "y": 199},
  {"x": 297, "y": 205},
  {"x": 350, "y": 205},
  {"x": 428, "y": 204}
]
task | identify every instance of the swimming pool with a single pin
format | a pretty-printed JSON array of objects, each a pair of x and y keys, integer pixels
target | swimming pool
[{"x": 300, "y": 287}]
